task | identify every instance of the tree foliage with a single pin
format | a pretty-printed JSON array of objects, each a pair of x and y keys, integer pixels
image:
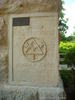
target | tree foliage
[
  {"x": 64, "y": 47},
  {"x": 70, "y": 57},
  {"x": 68, "y": 48},
  {"x": 63, "y": 23}
]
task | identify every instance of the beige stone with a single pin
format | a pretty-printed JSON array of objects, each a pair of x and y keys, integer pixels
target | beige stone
[
  {"x": 1, "y": 23},
  {"x": 25, "y": 68},
  {"x": 22, "y": 6},
  {"x": 43, "y": 26},
  {"x": 33, "y": 50},
  {"x": 31, "y": 93}
]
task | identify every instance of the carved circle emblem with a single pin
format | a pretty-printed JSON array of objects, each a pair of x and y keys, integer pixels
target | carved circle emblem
[{"x": 34, "y": 49}]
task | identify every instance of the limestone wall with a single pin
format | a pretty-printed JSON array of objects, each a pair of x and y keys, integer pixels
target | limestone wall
[
  {"x": 8, "y": 7},
  {"x": 3, "y": 49},
  {"x": 18, "y": 6}
]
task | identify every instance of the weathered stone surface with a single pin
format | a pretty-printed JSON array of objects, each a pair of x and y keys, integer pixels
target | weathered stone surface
[
  {"x": 23, "y": 6},
  {"x": 3, "y": 29},
  {"x": 8, "y": 92},
  {"x": 34, "y": 61},
  {"x": 19, "y": 6},
  {"x": 45, "y": 76},
  {"x": 1, "y": 23},
  {"x": 3, "y": 65}
]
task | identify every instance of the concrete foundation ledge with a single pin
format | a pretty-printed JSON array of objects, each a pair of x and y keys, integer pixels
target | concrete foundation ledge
[{"x": 8, "y": 92}]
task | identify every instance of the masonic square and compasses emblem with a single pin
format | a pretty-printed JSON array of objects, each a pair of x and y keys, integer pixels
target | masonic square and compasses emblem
[{"x": 34, "y": 49}]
